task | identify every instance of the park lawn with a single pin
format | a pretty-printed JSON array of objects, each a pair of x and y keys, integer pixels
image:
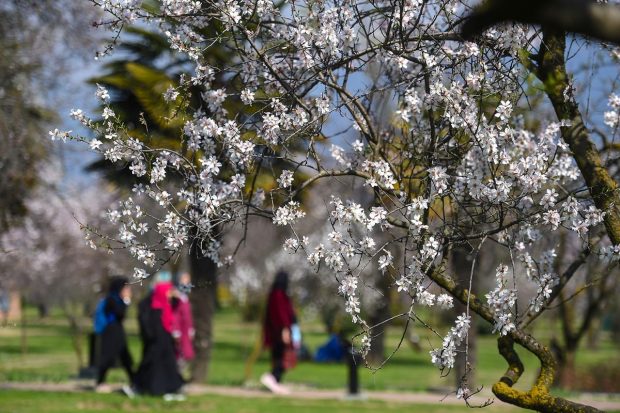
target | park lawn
[
  {"x": 42, "y": 402},
  {"x": 50, "y": 357}
]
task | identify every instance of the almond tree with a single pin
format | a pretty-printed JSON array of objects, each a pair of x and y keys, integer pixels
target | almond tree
[{"x": 456, "y": 168}]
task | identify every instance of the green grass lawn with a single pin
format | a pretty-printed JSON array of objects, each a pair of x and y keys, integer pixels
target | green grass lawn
[
  {"x": 50, "y": 357},
  {"x": 36, "y": 402}
]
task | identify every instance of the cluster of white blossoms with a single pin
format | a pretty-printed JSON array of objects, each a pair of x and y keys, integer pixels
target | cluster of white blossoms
[
  {"x": 612, "y": 117},
  {"x": 310, "y": 83},
  {"x": 286, "y": 179},
  {"x": 502, "y": 301},
  {"x": 288, "y": 214},
  {"x": 444, "y": 356}
]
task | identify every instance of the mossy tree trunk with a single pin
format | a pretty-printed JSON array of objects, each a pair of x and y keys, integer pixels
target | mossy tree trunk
[
  {"x": 550, "y": 68},
  {"x": 538, "y": 397}
]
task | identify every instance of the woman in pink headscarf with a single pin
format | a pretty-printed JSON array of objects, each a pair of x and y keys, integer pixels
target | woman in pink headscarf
[{"x": 158, "y": 373}]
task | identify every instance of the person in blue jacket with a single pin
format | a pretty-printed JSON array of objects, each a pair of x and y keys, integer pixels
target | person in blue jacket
[{"x": 113, "y": 340}]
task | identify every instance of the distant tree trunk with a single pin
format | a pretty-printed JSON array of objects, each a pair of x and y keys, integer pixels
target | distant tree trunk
[
  {"x": 567, "y": 372},
  {"x": 594, "y": 335},
  {"x": 76, "y": 334},
  {"x": 613, "y": 318},
  {"x": 203, "y": 299},
  {"x": 573, "y": 331},
  {"x": 381, "y": 313},
  {"x": 175, "y": 270},
  {"x": 24, "y": 336},
  {"x": 464, "y": 366}
]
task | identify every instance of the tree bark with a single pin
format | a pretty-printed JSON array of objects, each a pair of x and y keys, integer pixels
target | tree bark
[
  {"x": 202, "y": 298},
  {"x": 550, "y": 68}
]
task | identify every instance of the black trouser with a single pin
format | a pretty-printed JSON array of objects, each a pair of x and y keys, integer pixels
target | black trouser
[
  {"x": 277, "y": 360},
  {"x": 108, "y": 362}
]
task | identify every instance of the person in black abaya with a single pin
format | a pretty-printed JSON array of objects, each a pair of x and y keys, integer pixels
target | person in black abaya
[
  {"x": 113, "y": 340},
  {"x": 158, "y": 373}
]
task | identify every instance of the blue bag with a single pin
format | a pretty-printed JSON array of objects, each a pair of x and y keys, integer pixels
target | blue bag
[
  {"x": 101, "y": 320},
  {"x": 331, "y": 351}
]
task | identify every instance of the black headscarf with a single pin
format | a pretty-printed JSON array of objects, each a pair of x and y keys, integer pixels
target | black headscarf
[
  {"x": 280, "y": 282},
  {"x": 116, "y": 284}
]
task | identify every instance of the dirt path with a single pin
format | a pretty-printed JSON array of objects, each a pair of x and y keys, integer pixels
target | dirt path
[{"x": 603, "y": 402}]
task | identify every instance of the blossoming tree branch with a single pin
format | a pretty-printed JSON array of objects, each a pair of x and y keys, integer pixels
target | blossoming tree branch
[{"x": 388, "y": 94}]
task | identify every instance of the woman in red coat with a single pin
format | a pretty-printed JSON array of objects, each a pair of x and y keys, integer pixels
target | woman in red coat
[{"x": 279, "y": 318}]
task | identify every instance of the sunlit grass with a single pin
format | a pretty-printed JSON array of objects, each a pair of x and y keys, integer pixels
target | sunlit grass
[
  {"x": 35, "y": 402},
  {"x": 50, "y": 357}
]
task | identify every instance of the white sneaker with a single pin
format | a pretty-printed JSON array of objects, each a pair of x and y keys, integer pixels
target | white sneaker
[
  {"x": 272, "y": 384},
  {"x": 103, "y": 388},
  {"x": 129, "y": 392},
  {"x": 174, "y": 397},
  {"x": 282, "y": 389},
  {"x": 269, "y": 381}
]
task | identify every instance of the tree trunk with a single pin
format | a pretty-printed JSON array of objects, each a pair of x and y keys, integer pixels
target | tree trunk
[
  {"x": 464, "y": 363},
  {"x": 76, "y": 335},
  {"x": 202, "y": 297},
  {"x": 565, "y": 355},
  {"x": 24, "y": 336},
  {"x": 566, "y": 371},
  {"x": 596, "y": 304},
  {"x": 381, "y": 312}
]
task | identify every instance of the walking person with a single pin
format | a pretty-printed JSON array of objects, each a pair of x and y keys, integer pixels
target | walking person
[
  {"x": 158, "y": 373},
  {"x": 183, "y": 323},
  {"x": 109, "y": 317},
  {"x": 279, "y": 319}
]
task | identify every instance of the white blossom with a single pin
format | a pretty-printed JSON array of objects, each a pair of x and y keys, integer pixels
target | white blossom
[
  {"x": 288, "y": 214},
  {"x": 286, "y": 179},
  {"x": 102, "y": 93},
  {"x": 247, "y": 96},
  {"x": 445, "y": 301}
]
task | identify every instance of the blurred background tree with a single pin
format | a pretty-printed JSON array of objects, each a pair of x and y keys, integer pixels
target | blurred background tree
[
  {"x": 33, "y": 62},
  {"x": 39, "y": 42}
]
